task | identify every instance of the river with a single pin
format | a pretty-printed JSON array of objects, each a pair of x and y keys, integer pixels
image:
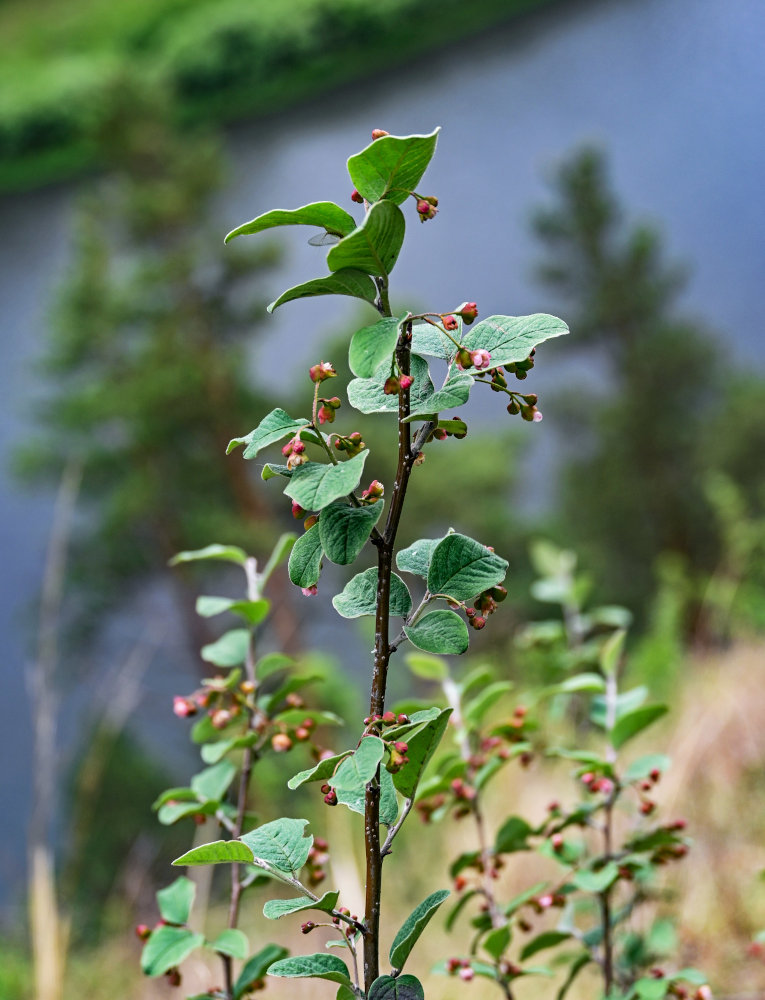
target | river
[{"x": 673, "y": 90}]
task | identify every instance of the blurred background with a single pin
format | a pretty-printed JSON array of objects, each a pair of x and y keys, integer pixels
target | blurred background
[{"x": 599, "y": 159}]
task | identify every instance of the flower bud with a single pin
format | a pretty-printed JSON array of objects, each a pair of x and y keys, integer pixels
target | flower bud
[
  {"x": 309, "y": 591},
  {"x": 374, "y": 491},
  {"x": 426, "y": 209},
  {"x": 322, "y": 371},
  {"x": 468, "y": 311},
  {"x": 480, "y": 358},
  {"x": 325, "y": 789},
  {"x": 325, "y": 414},
  {"x": 221, "y": 718},
  {"x": 463, "y": 359},
  {"x": 478, "y": 622},
  {"x": 378, "y": 133},
  {"x": 355, "y": 196},
  {"x": 302, "y": 734},
  {"x": 405, "y": 381},
  {"x": 389, "y": 718},
  {"x": 401, "y": 747},
  {"x": 307, "y": 927},
  {"x": 281, "y": 742},
  {"x": 402, "y": 719},
  {"x": 440, "y": 434},
  {"x": 331, "y": 798},
  {"x": 391, "y": 386},
  {"x": 142, "y": 931},
  {"x": 173, "y": 977},
  {"x": 297, "y": 510},
  {"x": 513, "y": 407},
  {"x": 183, "y": 707},
  {"x": 466, "y": 974},
  {"x": 450, "y": 322}
]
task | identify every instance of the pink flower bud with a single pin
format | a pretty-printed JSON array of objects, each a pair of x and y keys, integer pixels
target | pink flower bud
[
  {"x": 480, "y": 358},
  {"x": 355, "y": 196},
  {"x": 405, "y": 381},
  {"x": 310, "y": 591},
  {"x": 545, "y": 901},
  {"x": 391, "y": 386},
  {"x": 374, "y": 491},
  {"x": 378, "y": 133},
  {"x": 322, "y": 371},
  {"x": 297, "y": 510},
  {"x": 450, "y": 323},
  {"x": 183, "y": 707},
  {"x": 466, "y": 974},
  {"x": 537, "y": 416},
  {"x": 468, "y": 311},
  {"x": 281, "y": 742}
]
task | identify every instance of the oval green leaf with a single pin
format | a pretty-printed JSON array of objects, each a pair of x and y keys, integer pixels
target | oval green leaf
[
  {"x": 374, "y": 246},
  {"x": 167, "y": 947},
  {"x": 324, "y": 214},
  {"x": 344, "y": 530},
  {"x": 359, "y": 596},
  {"x": 511, "y": 338},
  {"x": 442, "y": 632},
  {"x": 413, "y": 927},
  {"x": 218, "y": 852},
  {"x": 283, "y": 845},
  {"x": 400, "y": 988},
  {"x": 275, "y": 909},
  {"x": 304, "y": 566},
  {"x": 315, "y": 485},
  {"x": 372, "y": 345},
  {"x": 349, "y": 281},
  {"x": 175, "y": 900},
  {"x": 358, "y": 768},
  {"x": 462, "y": 568},
  {"x": 391, "y": 167},
  {"x": 228, "y": 651},
  {"x": 318, "y": 966},
  {"x": 367, "y": 396}
]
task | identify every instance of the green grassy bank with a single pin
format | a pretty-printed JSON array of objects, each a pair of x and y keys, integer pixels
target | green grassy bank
[{"x": 219, "y": 59}]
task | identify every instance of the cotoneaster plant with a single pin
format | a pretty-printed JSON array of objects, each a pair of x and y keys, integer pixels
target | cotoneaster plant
[{"x": 417, "y": 367}]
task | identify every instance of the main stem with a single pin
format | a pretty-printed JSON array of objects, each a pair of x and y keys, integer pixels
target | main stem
[{"x": 385, "y": 546}]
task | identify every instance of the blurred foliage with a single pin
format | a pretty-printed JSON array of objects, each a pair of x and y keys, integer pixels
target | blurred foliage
[
  {"x": 217, "y": 59},
  {"x": 644, "y": 450},
  {"x": 145, "y": 367}
]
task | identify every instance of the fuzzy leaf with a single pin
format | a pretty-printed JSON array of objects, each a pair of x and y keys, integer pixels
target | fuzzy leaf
[
  {"x": 272, "y": 428},
  {"x": 226, "y": 553},
  {"x": 413, "y": 927},
  {"x": 256, "y": 968},
  {"x": 218, "y": 852},
  {"x": 373, "y": 345},
  {"x": 548, "y": 939},
  {"x": 318, "y": 966},
  {"x": 228, "y": 651},
  {"x": 455, "y": 392},
  {"x": 421, "y": 747},
  {"x": 315, "y": 485},
  {"x": 283, "y": 844},
  {"x": 211, "y": 783},
  {"x": 349, "y": 281},
  {"x": 427, "y": 339},
  {"x": 366, "y": 394},
  {"x": 275, "y": 909},
  {"x": 511, "y": 338},
  {"x": 416, "y": 558},
  {"x": 462, "y": 568},
  {"x": 599, "y": 881},
  {"x": 359, "y": 596},
  {"x": 320, "y": 772},
  {"x": 513, "y": 836},
  {"x": 391, "y": 167},
  {"x": 373, "y": 246},
  {"x": 324, "y": 214},
  {"x": 344, "y": 530},
  {"x": 429, "y": 668},
  {"x": 167, "y": 947},
  {"x": 441, "y": 632},
  {"x": 231, "y": 942},
  {"x": 175, "y": 900},
  {"x": 358, "y": 769},
  {"x": 400, "y": 988},
  {"x": 496, "y": 941},
  {"x": 304, "y": 566},
  {"x": 632, "y": 723}
]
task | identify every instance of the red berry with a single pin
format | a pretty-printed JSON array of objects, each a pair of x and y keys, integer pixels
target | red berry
[{"x": 355, "y": 196}]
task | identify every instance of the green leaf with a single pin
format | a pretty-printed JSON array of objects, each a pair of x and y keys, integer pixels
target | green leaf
[
  {"x": 231, "y": 942},
  {"x": 213, "y": 752},
  {"x": 632, "y": 723},
  {"x": 367, "y": 396},
  {"x": 358, "y": 769},
  {"x": 318, "y": 966},
  {"x": 275, "y": 909},
  {"x": 374, "y": 246},
  {"x": 388, "y": 799},
  {"x": 416, "y": 558},
  {"x": 611, "y": 652},
  {"x": 463, "y": 568},
  {"x": 496, "y": 942},
  {"x": 283, "y": 844},
  {"x": 441, "y": 632},
  {"x": 279, "y": 553},
  {"x": 373, "y": 345},
  {"x": 693, "y": 976},
  {"x": 256, "y": 968},
  {"x": 586, "y": 682},
  {"x": 320, "y": 772},
  {"x": 293, "y": 717},
  {"x": 513, "y": 836},
  {"x": 428, "y": 339},
  {"x": 548, "y": 939},
  {"x": 315, "y": 485},
  {"x": 349, "y": 281},
  {"x": 413, "y": 927},
  {"x": 391, "y": 167},
  {"x": 344, "y": 530},
  {"x": 211, "y": 783},
  {"x": 253, "y": 612},
  {"x": 175, "y": 900},
  {"x": 272, "y": 428},
  {"x": 171, "y": 812},
  {"x": 400, "y": 988},
  {"x": 575, "y": 968},
  {"x": 324, "y": 214},
  {"x": 643, "y": 766},
  {"x": 455, "y": 392},
  {"x": 228, "y": 651},
  {"x": 271, "y": 663},
  {"x": 167, "y": 947},
  {"x": 305, "y": 559},
  {"x": 218, "y": 852},
  {"x": 226, "y": 553},
  {"x": 651, "y": 989},
  {"x": 271, "y": 471},
  {"x": 599, "y": 881},
  {"x": 511, "y": 338},
  {"x": 359, "y": 596},
  {"x": 477, "y": 708},
  {"x": 429, "y": 668},
  {"x": 421, "y": 747}
]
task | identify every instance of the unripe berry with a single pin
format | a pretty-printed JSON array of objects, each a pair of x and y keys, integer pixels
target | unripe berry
[
  {"x": 478, "y": 622},
  {"x": 310, "y": 521},
  {"x": 173, "y": 977},
  {"x": 355, "y": 196},
  {"x": 513, "y": 407},
  {"x": 401, "y": 747},
  {"x": 468, "y": 311},
  {"x": 142, "y": 931},
  {"x": 307, "y": 927},
  {"x": 391, "y": 386},
  {"x": 331, "y": 798},
  {"x": 402, "y": 719},
  {"x": 297, "y": 510},
  {"x": 325, "y": 789}
]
